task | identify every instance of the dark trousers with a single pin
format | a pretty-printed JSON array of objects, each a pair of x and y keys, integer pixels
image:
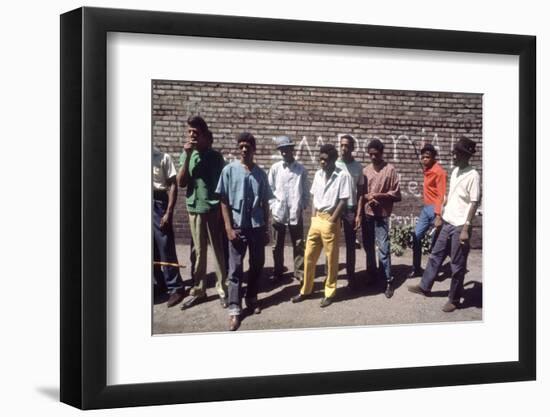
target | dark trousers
[
  {"x": 459, "y": 257},
  {"x": 348, "y": 224},
  {"x": 375, "y": 229},
  {"x": 298, "y": 246},
  {"x": 253, "y": 240},
  {"x": 166, "y": 278}
]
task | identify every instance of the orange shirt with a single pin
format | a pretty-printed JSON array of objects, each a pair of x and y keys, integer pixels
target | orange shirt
[{"x": 435, "y": 185}]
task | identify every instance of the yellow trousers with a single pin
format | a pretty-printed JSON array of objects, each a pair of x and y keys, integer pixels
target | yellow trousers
[{"x": 322, "y": 235}]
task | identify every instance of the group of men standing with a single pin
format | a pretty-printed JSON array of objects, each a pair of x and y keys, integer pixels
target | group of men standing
[{"x": 239, "y": 198}]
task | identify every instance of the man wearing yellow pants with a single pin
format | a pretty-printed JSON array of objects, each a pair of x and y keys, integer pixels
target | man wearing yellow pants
[{"x": 331, "y": 190}]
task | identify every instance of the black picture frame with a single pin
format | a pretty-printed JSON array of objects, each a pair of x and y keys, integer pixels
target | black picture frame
[{"x": 84, "y": 207}]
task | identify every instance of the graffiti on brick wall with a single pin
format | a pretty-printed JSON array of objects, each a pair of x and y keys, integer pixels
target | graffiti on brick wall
[
  {"x": 396, "y": 146},
  {"x": 307, "y": 150}
]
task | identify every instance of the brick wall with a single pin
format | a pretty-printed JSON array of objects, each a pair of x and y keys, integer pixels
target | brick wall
[{"x": 312, "y": 116}]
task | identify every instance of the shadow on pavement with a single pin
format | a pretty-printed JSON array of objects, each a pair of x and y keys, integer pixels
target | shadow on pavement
[
  {"x": 290, "y": 287},
  {"x": 473, "y": 295},
  {"x": 287, "y": 290},
  {"x": 160, "y": 298}
]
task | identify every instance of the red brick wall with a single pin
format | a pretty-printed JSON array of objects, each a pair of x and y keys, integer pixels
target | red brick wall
[{"x": 313, "y": 116}]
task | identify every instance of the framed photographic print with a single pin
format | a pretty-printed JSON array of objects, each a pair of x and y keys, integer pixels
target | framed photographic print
[{"x": 194, "y": 146}]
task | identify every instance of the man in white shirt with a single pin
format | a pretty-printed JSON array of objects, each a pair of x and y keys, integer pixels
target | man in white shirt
[
  {"x": 331, "y": 189},
  {"x": 289, "y": 184},
  {"x": 460, "y": 207},
  {"x": 166, "y": 274},
  {"x": 355, "y": 170}
]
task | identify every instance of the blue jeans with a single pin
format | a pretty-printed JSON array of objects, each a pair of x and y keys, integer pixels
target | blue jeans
[
  {"x": 425, "y": 220},
  {"x": 376, "y": 229},
  {"x": 164, "y": 248},
  {"x": 253, "y": 240},
  {"x": 459, "y": 258}
]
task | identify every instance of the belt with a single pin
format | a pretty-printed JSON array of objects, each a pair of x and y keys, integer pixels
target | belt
[
  {"x": 160, "y": 195},
  {"x": 324, "y": 215}
]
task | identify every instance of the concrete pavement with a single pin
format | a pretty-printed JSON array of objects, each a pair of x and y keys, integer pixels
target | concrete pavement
[{"x": 368, "y": 306}]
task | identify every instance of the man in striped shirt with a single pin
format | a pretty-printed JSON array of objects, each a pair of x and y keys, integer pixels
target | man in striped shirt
[{"x": 381, "y": 190}]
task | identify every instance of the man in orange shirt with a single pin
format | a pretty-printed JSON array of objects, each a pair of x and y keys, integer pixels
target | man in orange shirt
[{"x": 435, "y": 184}]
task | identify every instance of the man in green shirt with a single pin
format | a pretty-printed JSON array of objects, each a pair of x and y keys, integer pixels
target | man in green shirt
[{"x": 200, "y": 171}]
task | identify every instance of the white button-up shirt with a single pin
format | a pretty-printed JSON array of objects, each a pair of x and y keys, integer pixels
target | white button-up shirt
[
  {"x": 290, "y": 187},
  {"x": 163, "y": 170},
  {"x": 327, "y": 194},
  {"x": 464, "y": 190},
  {"x": 355, "y": 170}
]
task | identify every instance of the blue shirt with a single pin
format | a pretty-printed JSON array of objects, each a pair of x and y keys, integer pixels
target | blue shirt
[{"x": 246, "y": 192}]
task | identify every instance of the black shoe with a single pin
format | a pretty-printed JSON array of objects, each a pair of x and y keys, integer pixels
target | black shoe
[
  {"x": 325, "y": 302},
  {"x": 389, "y": 290},
  {"x": 193, "y": 301},
  {"x": 273, "y": 279},
  {"x": 223, "y": 302},
  {"x": 253, "y": 307},
  {"x": 415, "y": 273},
  {"x": 417, "y": 289},
  {"x": 298, "y": 298}
]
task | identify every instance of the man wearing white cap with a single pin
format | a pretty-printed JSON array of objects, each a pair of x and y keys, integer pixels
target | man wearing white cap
[{"x": 289, "y": 184}]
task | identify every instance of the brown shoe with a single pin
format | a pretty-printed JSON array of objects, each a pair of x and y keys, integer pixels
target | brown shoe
[
  {"x": 234, "y": 323},
  {"x": 417, "y": 289},
  {"x": 449, "y": 307},
  {"x": 174, "y": 299},
  {"x": 193, "y": 301}
]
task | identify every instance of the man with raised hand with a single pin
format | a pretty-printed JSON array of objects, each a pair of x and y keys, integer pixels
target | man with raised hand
[
  {"x": 331, "y": 190},
  {"x": 289, "y": 184},
  {"x": 245, "y": 194},
  {"x": 200, "y": 171},
  {"x": 462, "y": 201}
]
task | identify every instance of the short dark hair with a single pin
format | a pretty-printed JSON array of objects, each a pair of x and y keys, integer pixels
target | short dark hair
[
  {"x": 198, "y": 122},
  {"x": 248, "y": 138},
  {"x": 330, "y": 150},
  {"x": 376, "y": 144},
  {"x": 352, "y": 141},
  {"x": 430, "y": 149}
]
